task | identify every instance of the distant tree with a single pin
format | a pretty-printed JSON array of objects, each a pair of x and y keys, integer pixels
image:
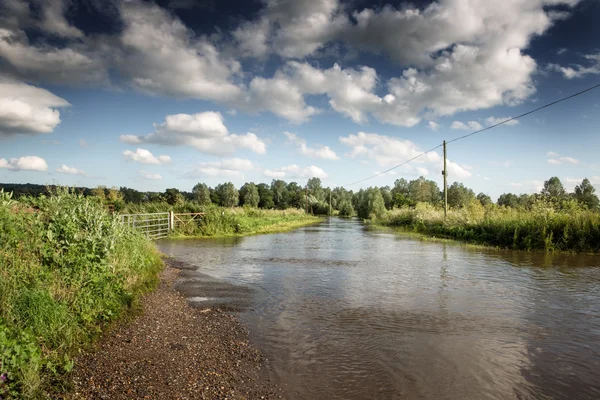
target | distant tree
[
  {"x": 370, "y": 203},
  {"x": 586, "y": 195},
  {"x": 99, "y": 192},
  {"x": 423, "y": 190},
  {"x": 266, "y": 196},
  {"x": 388, "y": 200},
  {"x": 131, "y": 195},
  {"x": 508, "y": 200},
  {"x": 459, "y": 195},
  {"x": 484, "y": 199},
  {"x": 201, "y": 194},
  {"x": 315, "y": 188},
  {"x": 173, "y": 196},
  {"x": 296, "y": 195},
  {"x": 345, "y": 208},
  {"x": 228, "y": 194},
  {"x": 214, "y": 196},
  {"x": 554, "y": 189},
  {"x": 280, "y": 192},
  {"x": 524, "y": 200},
  {"x": 249, "y": 195}
]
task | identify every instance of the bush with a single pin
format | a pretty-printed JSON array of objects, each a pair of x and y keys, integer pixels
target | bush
[{"x": 67, "y": 267}]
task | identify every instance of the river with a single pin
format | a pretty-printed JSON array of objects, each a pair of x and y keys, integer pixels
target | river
[{"x": 342, "y": 311}]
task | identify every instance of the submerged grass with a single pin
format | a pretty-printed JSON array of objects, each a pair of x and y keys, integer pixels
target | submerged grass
[
  {"x": 542, "y": 227},
  {"x": 242, "y": 221},
  {"x": 67, "y": 269}
]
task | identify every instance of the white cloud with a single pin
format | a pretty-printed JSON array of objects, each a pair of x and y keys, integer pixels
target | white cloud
[
  {"x": 145, "y": 157},
  {"x": 159, "y": 54},
  {"x": 579, "y": 71},
  {"x": 150, "y": 176},
  {"x": 489, "y": 121},
  {"x": 204, "y": 131},
  {"x": 469, "y": 126},
  {"x": 323, "y": 152},
  {"x": 225, "y": 168},
  {"x": 387, "y": 151},
  {"x": 434, "y": 126},
  {"x": 83, "y": 143},
  {"x": 27, "y": 163},
  {"x": 64, "y": 169},
  {"x": 556, "y": 159},
  {"x": 26, "y": 109},
  {"x": 296, "y": 172},
  {"x": 530, "y": 186}
]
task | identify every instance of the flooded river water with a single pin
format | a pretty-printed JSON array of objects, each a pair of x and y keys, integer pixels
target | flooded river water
[{"x": 344, "y": 312}]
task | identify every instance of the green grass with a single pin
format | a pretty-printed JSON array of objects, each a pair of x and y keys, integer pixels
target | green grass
[
  {"x": 67, "y": 270},
  {"x": 242, "y": 221},
  {"x": 542, "y": 227}
]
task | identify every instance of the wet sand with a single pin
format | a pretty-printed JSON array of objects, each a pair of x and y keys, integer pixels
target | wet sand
[{"x": 175, "y": 350}]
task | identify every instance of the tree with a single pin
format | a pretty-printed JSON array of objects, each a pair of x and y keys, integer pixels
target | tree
[
  {"x": 281, "y": 196},
  {"x": 553, "y": 188},
  {"x": 508, "y": 200},
  {"x": 586, "y": 195},
  {"x": 201, "y": 194},
  {"x": 249, "y": 195},
  {"x": 370, "y": 203},
  {"x": 228, "y": 194},
  {"x": 315, "y": 188},
  {"x": 99, "y": 192},
  {"x": 423, "y": 190},
  {"x": 388, "y": 200},
  {"x": 296, "y": 195},
  {"x": 346, "y": 209},
  {"x": 484, "y": 199},
  {"x": 214, "y": 196},
  {"x": 131, "y": 195},
  {"x": 459, "y": 195},
  {"x": 265, "y": 195},
  {"x": 173, "y": 196}
]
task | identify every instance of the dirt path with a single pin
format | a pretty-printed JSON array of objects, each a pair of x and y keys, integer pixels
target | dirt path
[{"x": 173, "y": 351}]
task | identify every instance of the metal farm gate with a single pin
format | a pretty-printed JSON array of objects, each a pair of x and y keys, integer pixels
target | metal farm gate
[{"x": 153, "y": 226}]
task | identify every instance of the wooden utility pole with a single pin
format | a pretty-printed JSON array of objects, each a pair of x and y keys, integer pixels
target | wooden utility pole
[{"x": 445, "y": 173}]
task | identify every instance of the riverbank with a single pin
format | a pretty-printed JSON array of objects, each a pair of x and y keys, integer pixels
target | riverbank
[
  {"x": 173, "y": 351},
  {"x": 68, "y": 270},
  {"x": 243, "y": 221},
  {"x": 542, "y": 228}
]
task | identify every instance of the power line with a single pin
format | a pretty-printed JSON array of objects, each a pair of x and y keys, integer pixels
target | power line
[
  {"x": 476, "y": 132},
  {"x": 524, "y": 114},
  {"x": 399, "y": 165}
]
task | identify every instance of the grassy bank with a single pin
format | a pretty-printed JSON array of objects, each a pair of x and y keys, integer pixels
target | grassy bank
[
  {"x": 242, "y": 221},
  {"x": 67, "y": 269},
  {"x": 542, "y": 227}
]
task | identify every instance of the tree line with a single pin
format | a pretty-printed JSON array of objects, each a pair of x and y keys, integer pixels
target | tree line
[{"x": 314, "y": 197}]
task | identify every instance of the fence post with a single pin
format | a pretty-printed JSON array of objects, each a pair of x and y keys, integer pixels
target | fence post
[{"x": 171, "y": 220}]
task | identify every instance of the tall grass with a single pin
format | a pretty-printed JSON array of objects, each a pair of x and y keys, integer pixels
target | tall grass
[
  {"x": 542, "y": 227},
  {"x": 220, "y": 221},
  {"x": 67, "y": 268}
]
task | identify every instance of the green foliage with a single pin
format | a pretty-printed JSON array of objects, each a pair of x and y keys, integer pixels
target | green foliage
[
  {"x": 201, "y": 194},
  {"x": 484, "y": 199},
  {"x": 266, "y": 196},
  {"x": 281, "y": 196},
  {"x": 585, "y": 194},
  {"x": 173, "y": 196},
  {"x": 459, "y": 196},
  {"x": 544, "y": 226},
  {"x": 228, "y": 194},
  {"x": 249, "y": 195},
  {"x": 346, "y": 209},
  {"x": 369, "y": 203},
  {"x": 67, "y": 267},
  {"x": 219, "y": 221}
]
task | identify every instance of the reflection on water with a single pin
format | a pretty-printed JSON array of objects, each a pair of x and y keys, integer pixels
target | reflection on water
[{"x": 351, "y": 313}]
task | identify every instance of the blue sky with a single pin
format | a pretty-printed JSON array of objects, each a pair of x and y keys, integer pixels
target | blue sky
[{"x": 155, "y": 95}]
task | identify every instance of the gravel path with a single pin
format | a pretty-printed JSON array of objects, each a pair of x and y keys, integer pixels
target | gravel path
[{"x": 173, "y": 351}]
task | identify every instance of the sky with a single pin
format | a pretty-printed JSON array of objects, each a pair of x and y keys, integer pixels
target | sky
[{"x": 159, "y": 94}]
